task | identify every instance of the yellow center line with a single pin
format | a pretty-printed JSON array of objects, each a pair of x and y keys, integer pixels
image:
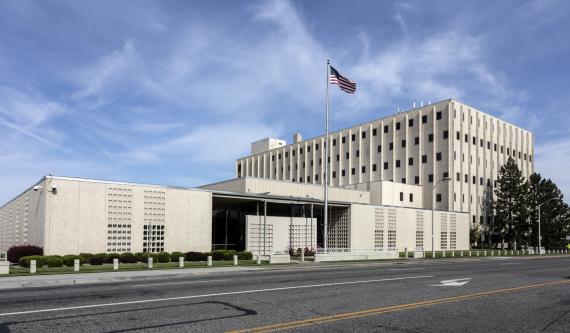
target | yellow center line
[{"x": 394, "y": 308}]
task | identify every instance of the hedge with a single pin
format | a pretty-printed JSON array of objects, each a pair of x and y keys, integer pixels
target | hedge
[
  {"x": 196, "y": 256},
  {"x": 40, "y": 261},
  {"x": 68, "y": 260},
  {"x": 245, "y": 255},
  {"x": 86, "y": 257},
  {"x": 98, "y": 259},
  {"x": 16, "y": 252},
  {"x": 175, "y": 255},
  {"x": 163, "y": 257},
  {"x": 54, "y": 261},
  {"x": 111, "y": 256},
  {"x": 128, "y": 258}
]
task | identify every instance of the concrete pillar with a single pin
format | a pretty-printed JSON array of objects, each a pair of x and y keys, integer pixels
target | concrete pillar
[
  {"x": 209, "y": 261},
  {"x": 32, "y": 266},
  {"x": 76, "y": 265},
  {"x": 405, "y": 253},
  {"x": 180, "y": 262},
  {"x": 235, "y": 260},
  {"x": 149, "y": 262},
  {"x": 116, "y": 264},
  {"x": 259, "y": 260}
]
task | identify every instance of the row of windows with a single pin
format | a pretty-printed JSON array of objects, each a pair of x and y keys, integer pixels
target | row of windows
[{"x": 502, "y": 148}]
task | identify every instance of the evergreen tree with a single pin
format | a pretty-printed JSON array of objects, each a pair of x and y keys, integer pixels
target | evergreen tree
[
  {"x": 510, "y": 205},
  {"x": 554, "y": 213}
]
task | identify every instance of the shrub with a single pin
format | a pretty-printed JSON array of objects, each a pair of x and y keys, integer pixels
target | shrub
[
  {"x": 98, "y": 259},
  {"x": 175, "y": 255},
  {"x": 85, "y": 257},
  {"x": 245, "y": 255},
  {"x": 54, "y": 261},
  {"x": 218, "y": 255},
  {"x": 163, "y": 257},
  {"x": 195, "y": 256},
  {"x": 141, "y": 256},
  {"x": 111, "y": 256},
  {"x": 16, "y": 252},
  {"x": 68, "y": 260},
  {"x": 128, "y": 258},
  {"x": 309, "y": 252},
  {"x": 40, "y": 261}
]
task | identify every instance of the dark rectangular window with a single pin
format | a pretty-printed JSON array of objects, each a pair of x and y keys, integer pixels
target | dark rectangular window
[
  {"x": 488, "y": 145},
  {"x": 337, "y": 157},
  {"x": 438, "y": 197},
  {"x": 474, "y": 180},
  {"x": 480, "y": 142},
  {"x": 316, "y": 178},
  {"x": 438, "y": 156},
  {"x": 300, "y": 150},
  {"x": 430, "y": 137},
  {"x": 308, "y": 149},
  {"x": 430, "y": 178},
  {"x": 494, "y": 146},
  {"x": 286, "y": 154},
  {"x": 480, "y": 180},
  {"x": 458, "y": 135},
  {"x": 334, "y": 174},
  {"x": 474, "y": 141},
  {"x": 373, "y": 132},
  {"x": 410, "y": 161},
  {"x": 385, "y": 128},
  {"x": 363, "y": 169},
  {"x": 347, "y": 156},
  {"x": 438, "y": 115},
  {"x": 508, "y": 151},
  {"x": 379, "y": 148},
  {"x": 311, "y": 162},
  {"x": 416, "y": 179},
  {"x": 397, "y": 126},
  {"x": 417, "y": 140},
  {"x": 364, "y": 134},
  {"x": 300, "y": 179},
  {"x": 334, "y": 142},
  {"x": 424, "y": 158},
  {"x": 272, "y": 157},
  {"x": 403, "y": 180},
  {"x": 411, "y": 197},
  {"x": 502, "y": 150},
  {"x": 373, "y": 167},
  {"x": 353, "y": 137},
  {"x": 458, "y": 176},
  {"x": 343, "y": 172},
  {"x": 391, "y": 145},
  {"x": 358, "y": 153},
  {"x": 445, "y": 174},
  {"x": 397, "y": 163},
  {"x": 308, "y": 179},
  {"x": 403, "y": 143},
  {"x": 279, "y": 155},
  {"x": 424, "y": 119},
  {"x": 385, "y": 165},
  {"x": 530, "y": 158},
  {"x": 316, "y": 146},
  {"x": 466, "y": 178},
  {"x": 466, "y": 138},
  {"x": 445, "y": 134},
  {"x": 353, "y": 171},
  {"x": 401, "y": 196},
  {"x": 410, "y": 123}
]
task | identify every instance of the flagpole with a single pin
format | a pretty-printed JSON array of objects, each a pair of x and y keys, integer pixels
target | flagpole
[{"x": 326, "y": 174}]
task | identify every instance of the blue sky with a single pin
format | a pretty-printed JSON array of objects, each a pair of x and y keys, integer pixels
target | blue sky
[{"x": 172, "y": 92}]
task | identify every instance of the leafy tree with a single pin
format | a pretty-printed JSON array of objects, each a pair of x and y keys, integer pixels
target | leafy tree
[{"x": 510, "y": 206}]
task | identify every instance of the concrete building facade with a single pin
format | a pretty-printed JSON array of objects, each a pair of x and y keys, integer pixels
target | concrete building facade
[{"x": 417, "y": 147}]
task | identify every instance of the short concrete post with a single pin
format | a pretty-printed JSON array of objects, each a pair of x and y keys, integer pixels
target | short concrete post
[
  {"x": 116, "y": 264},
  {"x": 433, "y": 254},
  {"x": 443, "y": 254},
  {"x": 461, "y": 253},
  {"x": 32, "y": 266},
  {"x": 259, "y": 260},
  {"x": 235, "y": 260},
  {"x": 405, "y": 253},
  {"x": 484, "y": 253},
  {"x": 149, "y": 263},
  {"x": 76, "y": 265},
  {"x": 453, "y": 253},
  {"x": 302, "y": 255},
  {"x": 209, "y": 261},
  {"x": 470, "y": 253},
  {"x": 180, "y": 262},
  {"x": 478, "y": 253}
]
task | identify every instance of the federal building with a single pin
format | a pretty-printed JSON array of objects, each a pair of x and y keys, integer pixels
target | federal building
[{"x": 416, "y": 180}]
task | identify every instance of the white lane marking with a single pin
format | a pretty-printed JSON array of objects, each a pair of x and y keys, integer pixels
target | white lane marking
[
  {"x": 452, "y": 283},
  {"x": 184, "y": 282},
  {"x": 510, "y": 263},
  {"x": 211, "y": 295},
  {"x": 406, "y": 269}
]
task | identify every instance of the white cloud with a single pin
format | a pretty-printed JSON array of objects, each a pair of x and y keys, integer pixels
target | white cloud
[{"x": 27, "y": 110}]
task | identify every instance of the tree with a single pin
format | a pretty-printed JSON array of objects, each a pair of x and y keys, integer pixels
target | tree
[
  {"x": 510, "y": 206},
  {"x": 554, "y": 213}
]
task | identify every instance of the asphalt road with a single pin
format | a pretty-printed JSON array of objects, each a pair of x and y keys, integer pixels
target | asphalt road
[{"x": 477, "y": 295}]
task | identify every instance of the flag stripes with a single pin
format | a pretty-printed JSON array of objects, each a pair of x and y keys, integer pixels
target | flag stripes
[{"x": 345, "y": 84}]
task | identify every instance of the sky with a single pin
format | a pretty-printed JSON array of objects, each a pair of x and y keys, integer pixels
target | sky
[{"x": 173, "y": 92}]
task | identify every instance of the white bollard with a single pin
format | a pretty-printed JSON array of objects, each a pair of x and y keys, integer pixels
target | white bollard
[
  {"x": 453, "y": 253},
  {"x": 258, "y": 260},
  {"x": 180, "y": 262},
  {"x": 484, "y": 253},
  {"x": 478, "y": 253},
  {"x": 443, "y": 254},
  {"x": 235, "y": 260},
  {"x": 433, "y": 254},
  {"x": 302, "y": 255},
  {"x": 461, "y": 253},
  {"x": 209, "y": 261},
  {"x": 76, "y": 265},
  {"x": 32, "y": 266},
  {"x": 116, "y": 264},
  {"x": 405, "y": 253},
  {"x": 149, "y": 262},
  {"x": 470, "y": 253}
]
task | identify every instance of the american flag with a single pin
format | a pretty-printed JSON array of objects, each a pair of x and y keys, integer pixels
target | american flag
[{"x": 345, "y": 84}]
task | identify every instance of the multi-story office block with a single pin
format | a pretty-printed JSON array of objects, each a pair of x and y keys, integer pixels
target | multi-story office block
[{"x": 420, "y": 147}]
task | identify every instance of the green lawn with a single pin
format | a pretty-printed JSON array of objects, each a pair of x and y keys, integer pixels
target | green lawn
[{"x": 16, "y": 270}]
